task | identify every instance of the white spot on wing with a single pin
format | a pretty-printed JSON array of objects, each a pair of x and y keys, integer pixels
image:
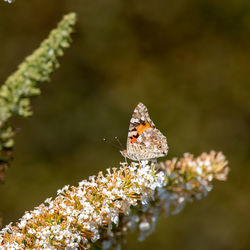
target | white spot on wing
[{"x": 134, "y": 120}]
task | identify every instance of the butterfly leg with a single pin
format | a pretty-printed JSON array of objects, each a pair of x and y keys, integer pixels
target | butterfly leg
[{"x": 154, "y": 160}]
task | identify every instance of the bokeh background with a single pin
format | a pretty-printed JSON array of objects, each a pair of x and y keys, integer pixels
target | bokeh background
[{"x": 187, "y": 60}]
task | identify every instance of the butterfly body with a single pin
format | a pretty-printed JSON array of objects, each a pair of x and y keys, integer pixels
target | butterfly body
[{"x": 144, "y": 142}]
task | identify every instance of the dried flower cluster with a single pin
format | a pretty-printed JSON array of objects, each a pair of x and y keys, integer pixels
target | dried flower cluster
[
  {"x": 100, "y": 212},
  {"x": 186, "y": 179}
]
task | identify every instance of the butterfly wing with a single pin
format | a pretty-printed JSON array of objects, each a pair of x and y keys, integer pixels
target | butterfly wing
[
  {"x": 144, "y": 140},
  {"x": 150, "y": 144},
  {"x": 139, "y": 122}
]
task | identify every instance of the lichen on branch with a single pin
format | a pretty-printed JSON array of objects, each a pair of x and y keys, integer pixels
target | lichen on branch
[
  {"x": 15, "y": 93},
  {"x": 100, "y": 212}
]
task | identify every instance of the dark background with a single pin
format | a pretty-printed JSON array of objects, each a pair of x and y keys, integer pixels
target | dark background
[{"x": 188, "y": 61}]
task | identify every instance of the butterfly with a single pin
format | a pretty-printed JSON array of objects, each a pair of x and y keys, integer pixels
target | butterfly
[{"x": 144, "y": 142}]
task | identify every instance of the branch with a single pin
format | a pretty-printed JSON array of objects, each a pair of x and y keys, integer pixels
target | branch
[
  {"x": 101, "y": 211},
  {"x": 21, "y": 85}
]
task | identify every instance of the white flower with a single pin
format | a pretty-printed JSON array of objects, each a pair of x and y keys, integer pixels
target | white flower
[
  {"x": 48, "y": 200},
  {"x": 115, "y": 218},
  {"x": 51, "y": 211},
  {"x": 22, "y": 224},
  {"x": 31, "y": 231},
  {"x": 59, "y": 237},
  {"x": 9, "y": 1},
  {"x": 199, "y": 170},
  {"x": 210, "y": 177},
  {"x": 132, "y": 168},
  {"x": 95, "y": 237},
  {"x": 55, "y": 229},
  {"x": 27, "y": 216},
  {"x": 59, "y": 191},
  {"x": 144, "y": 226},
  {"x": 181, "y": 199}
]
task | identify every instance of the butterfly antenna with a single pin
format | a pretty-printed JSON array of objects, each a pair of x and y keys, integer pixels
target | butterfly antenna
[
  {"x": 114, "y": 145},
  {"x": 117, "y": 139}
]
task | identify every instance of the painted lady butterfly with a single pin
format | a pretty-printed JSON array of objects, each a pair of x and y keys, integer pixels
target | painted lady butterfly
[{"x": 144, "y": 142}]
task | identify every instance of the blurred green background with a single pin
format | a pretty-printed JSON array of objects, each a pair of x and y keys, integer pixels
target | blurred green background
[{"x": 187, "y": 60}]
